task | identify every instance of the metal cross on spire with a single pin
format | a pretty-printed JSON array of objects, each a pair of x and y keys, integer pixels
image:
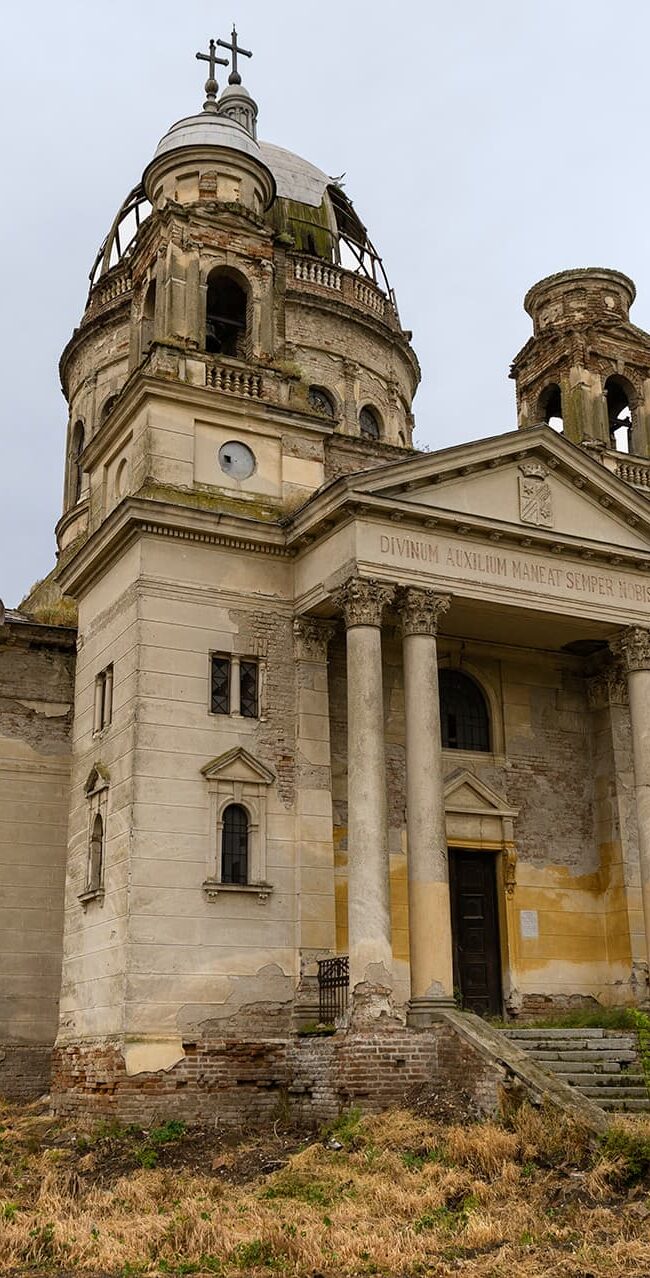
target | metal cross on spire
[
  {"x": 233, "y": 47},
  {"x": 211, "y": 86}
]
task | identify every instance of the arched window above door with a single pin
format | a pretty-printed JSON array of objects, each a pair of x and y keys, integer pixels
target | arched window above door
[{"x": 464, "y": 718}]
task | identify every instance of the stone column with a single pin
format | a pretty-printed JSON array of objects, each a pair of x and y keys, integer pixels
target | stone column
[
  {"x": 430, "y": 949},
  {"x": 315, "y": 885},
  {"x": 362, "y": 603},
  {"x": 634, "y": 647}
]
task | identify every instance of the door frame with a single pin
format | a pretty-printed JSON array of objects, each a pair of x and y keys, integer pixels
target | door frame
[
  {"x": 479, "y": 819},
  {"x": 494, "y": 869}
]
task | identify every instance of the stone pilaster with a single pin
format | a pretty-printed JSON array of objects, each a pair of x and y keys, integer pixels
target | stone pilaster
[
  {"x": 633, "y": 646},
  {"x": 314, "y": 848},
  {"x": 371, "y": 982},
  {"x": 430, "y": 948}
]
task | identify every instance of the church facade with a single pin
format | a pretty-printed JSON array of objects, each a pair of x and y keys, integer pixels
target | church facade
[{"x": 333, "y": 716}]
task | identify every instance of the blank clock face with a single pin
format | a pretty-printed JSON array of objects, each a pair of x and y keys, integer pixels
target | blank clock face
[{"x": 237, "y": 459}]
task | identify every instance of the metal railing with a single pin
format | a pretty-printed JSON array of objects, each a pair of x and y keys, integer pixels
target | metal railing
[{"x": 333, "y": 988}]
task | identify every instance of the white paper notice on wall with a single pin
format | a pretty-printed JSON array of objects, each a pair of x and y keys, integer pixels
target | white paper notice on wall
[{"x": 529, "y": 925}]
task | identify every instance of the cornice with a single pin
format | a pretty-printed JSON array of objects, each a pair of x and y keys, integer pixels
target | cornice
[{"x": 135, "y": 517}]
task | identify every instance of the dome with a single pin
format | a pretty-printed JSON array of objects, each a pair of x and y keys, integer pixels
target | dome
[{"x": 208, "y": 129}]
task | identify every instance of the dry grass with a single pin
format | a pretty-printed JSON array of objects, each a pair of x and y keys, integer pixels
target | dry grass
[{"x": 404, "y": 1196}]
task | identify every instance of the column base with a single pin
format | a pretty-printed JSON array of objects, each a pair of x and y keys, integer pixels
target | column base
[
  {"x": 370, "y": 1004},
  {"x": 426, "y": 1011}
]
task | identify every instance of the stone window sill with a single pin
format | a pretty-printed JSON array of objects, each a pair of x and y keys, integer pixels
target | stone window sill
[
  {"x": 94, "y": 894},
  {"x": 212, "y": 888}
]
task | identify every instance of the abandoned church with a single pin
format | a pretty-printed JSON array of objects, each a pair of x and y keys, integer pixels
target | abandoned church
[{"x": 312, "y": 745}]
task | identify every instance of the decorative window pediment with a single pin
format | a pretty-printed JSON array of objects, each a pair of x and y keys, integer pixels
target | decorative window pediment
[
  {"x": 237, "y": 780},
  {"x": 466, "y": 793},
  {"x": 98, "y": 779}
]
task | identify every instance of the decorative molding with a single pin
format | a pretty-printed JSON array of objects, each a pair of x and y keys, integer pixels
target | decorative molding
[
  {"x": 421, "y": 610},
  {"x": 509, "y": 869},
  {"x": 311, "y": 636},
  {"x": 362, "y": 601},
  {"x": 212, "y": 888},
  {"x": 633, "y": 646},
  {"x": 608, "y": 687}
]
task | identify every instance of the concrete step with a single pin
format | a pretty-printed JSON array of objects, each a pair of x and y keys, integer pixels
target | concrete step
[
  {"x": 615, "y": 1093},
  {"x": 625, "y": 1106},
  {"x": 585, "y": 1067},
  {"x": 595, "y": 1045},
  {"x": 604, "y": 1081},
  {"x": 589, "y": 1058}
]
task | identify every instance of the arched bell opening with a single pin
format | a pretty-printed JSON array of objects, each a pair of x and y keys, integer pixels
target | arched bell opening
[
  {"x": 620, "y": 398},
  {"x": 226, "y": 316},
  {"x": 549, "y": 407}
]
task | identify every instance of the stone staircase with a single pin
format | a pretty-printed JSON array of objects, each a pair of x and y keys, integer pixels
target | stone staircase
[{"x": 602, "y": 1064}]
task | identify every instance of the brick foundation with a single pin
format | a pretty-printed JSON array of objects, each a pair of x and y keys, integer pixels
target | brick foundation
[
  {"x": 25, "y": 1072},
  {"x": 305, "y": 1079}
]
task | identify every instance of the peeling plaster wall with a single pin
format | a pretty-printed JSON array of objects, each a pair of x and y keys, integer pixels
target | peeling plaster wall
[
  {"x": 549, "y": 763},
  {"x": 36, "y": 691}
]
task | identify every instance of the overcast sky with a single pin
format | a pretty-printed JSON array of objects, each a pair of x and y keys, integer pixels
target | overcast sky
[{"x": 485, "y": 146}]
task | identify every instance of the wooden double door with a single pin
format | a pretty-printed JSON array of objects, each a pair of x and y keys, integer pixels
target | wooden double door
[{"x": 475, "y": 930}]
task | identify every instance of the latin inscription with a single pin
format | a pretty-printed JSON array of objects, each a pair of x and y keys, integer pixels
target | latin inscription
[{"x": 456, "y": 560}]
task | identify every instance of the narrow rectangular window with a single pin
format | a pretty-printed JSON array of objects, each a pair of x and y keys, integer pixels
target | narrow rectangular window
[
  {"x": 220, "y": 686},
  {"x": 248, "y": 685},
  {"x": 103, "y": 707}
]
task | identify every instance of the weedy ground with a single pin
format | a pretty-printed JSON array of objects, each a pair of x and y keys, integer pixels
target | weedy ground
[{"x": 397, "y": 1194}]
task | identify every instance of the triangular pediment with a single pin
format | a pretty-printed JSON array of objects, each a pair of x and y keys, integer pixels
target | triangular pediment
[
  {"x": 533, "y": 481},
  {"x": 466, "y": 793},
  {"x": 237, "y": 765}
]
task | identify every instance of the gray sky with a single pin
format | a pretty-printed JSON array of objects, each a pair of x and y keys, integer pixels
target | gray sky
[{"x": 486, "y": 144}]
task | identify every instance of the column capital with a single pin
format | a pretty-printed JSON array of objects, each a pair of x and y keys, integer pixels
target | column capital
[
  {"x": 633, "y": 646},
  {"x": 311, "y": 636},
  {"x": 362, "y": 601},
  {"x": 421, "y": 610}
]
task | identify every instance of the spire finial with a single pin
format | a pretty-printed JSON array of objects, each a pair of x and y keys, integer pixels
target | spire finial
[
  {"x": 233, "y": 47},
  {"x": 211, "y": 86}
]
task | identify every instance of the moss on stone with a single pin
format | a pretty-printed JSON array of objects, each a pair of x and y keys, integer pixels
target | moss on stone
[{"x": 214, "y": 500}]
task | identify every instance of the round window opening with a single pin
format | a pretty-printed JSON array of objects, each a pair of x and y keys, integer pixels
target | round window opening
[{"x": 236, "y": 459}]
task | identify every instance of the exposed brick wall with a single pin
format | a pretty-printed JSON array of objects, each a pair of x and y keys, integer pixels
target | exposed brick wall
[
  {"x": 311, "y": 1079},
  {"x": 25, "y": 1072}
]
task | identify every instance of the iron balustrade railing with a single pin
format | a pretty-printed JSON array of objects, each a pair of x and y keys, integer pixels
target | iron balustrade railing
[{"x": 333, "y": 988}]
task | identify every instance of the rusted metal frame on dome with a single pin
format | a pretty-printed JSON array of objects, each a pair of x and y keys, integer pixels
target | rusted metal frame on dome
[{"x": 132, "y": 204}]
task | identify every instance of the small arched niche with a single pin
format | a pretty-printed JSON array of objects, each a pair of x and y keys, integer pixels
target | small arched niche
[
  {"x": 226, "y": 314},
  {"x": 620, "y": 399},
  {"x": 549, "y": 407}
]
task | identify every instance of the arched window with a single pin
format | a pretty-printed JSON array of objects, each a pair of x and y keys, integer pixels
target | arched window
[
  {"x": 322, "y": 401},
  {"x": 464, "y": 719},
  {"x": 96, "y": 854},
  {"x": 549, "y": 407},
  {"x": 107, "y": 407},
  {"x": 369, "y": 423},
  {"x": 234, "y": 845},
  {"x": 148, "y": 317},
  {"x": 76, "y": 471},
  {"x": 226, "y": 315},
  {"x": 619, "y": 412}
]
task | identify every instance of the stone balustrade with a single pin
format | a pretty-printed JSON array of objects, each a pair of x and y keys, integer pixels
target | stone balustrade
[
  {"x": 355, "y": 289},
  {"x": 232, "y": 380},
  {"x": 634, "y": 472},
  {"x": 110, "y": 288}
]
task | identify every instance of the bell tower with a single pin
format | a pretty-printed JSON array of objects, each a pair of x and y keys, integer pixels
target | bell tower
[{"x": 586, "y": 369}]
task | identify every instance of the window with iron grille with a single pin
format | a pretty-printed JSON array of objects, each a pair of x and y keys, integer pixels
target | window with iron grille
[
  {"x": 234, "y": 686},
  {"x": 248, "y": 689},
  {"x": 234, "y": 845},
  {"x": 464, "y": 719},
  {"x": 220, "y": 691}
]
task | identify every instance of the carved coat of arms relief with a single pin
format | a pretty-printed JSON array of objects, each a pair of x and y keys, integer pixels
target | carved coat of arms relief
[{"x": 535, "y": 496}]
